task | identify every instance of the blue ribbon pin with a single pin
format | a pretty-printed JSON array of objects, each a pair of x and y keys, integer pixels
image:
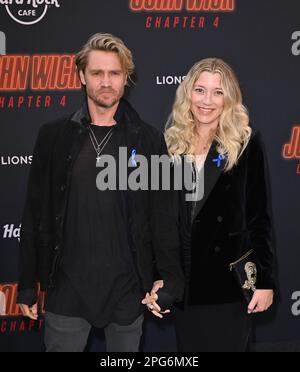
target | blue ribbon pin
[
  {"x": 133, "y": 155},
  {"x": 219, "y": 160}
]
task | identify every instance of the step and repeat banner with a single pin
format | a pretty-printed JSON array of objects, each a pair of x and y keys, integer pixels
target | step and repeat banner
[{"x": 38, "y": 83}]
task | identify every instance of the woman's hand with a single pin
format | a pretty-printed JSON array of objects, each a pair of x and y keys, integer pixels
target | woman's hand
[
  {"x": 262, "y": 300},
  {"x": 30, "y": 312},
  {"x": 150, "y": 300}
]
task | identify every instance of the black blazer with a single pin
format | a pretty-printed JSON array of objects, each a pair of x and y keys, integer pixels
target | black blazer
[
  {"x": 233, "y": 217},
  {"x": 153, "y": 231}
]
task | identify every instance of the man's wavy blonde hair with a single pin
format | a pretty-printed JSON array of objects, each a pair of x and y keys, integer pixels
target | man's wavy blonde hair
[
  {"x": 233, "y": 132},
  {"x": 106, "y": 43}
]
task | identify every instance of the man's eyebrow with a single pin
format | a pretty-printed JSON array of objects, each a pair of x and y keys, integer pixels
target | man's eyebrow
[{"x": 100, "y": 70}]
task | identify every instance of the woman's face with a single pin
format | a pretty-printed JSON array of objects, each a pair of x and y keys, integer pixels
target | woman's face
[{"x": 207, "y": 99}]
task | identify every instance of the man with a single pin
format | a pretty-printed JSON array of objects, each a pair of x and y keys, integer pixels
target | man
[{"x": 94, "y": 251}]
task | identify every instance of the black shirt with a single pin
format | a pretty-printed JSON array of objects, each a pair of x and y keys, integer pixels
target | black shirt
[{"x": 97, "y": 280}]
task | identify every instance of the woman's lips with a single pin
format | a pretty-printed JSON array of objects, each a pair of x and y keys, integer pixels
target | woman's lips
[{"x": 205, "y": 110}]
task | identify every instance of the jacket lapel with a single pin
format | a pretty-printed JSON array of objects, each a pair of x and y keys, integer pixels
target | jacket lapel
[
  {"x": 133, "y": 140},
  {"x": 213, "y": 169}
]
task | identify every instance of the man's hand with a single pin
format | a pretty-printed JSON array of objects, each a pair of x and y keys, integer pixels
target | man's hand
[
  {"x": 30, "y": 312},
  {"x": 156, "y": 286},
  {"x": 262, "y": 300},
  {"x": 150, "y": 300}
]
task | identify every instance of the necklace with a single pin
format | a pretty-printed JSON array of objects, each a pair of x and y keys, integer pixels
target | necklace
[{"x": 99, "y": 147}]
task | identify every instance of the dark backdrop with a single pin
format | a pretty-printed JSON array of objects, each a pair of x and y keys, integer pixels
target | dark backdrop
[{"x": 260, "y": 39}]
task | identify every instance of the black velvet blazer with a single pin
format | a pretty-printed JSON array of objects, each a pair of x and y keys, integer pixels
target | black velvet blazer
[{"x": 233, "y": 217}]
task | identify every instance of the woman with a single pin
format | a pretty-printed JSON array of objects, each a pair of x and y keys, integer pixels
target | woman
[{"x": 210, "y": 125}]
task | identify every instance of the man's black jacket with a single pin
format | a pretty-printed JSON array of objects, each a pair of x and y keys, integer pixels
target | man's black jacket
[{"x": 152, "y": 222}]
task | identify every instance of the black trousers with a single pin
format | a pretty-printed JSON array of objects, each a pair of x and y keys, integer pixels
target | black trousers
[{"x": 213, "y": 328}]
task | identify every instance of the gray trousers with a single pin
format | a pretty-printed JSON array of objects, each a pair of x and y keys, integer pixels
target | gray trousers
[{"x": 66, "y": 334}]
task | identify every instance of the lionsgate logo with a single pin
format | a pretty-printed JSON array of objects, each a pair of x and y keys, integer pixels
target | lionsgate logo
[
  {"x": 15, "y": 160},
  {"x": 169, "y": 80},
  {"x": 296, "y": 303},
  {"x": 11, "y": 231},
  {"x": 28, "y": 12}
]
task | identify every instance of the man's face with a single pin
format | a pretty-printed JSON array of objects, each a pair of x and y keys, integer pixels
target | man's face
[{"x": 104, "y": 78}]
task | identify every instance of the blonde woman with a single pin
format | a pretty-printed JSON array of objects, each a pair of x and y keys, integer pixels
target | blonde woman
[{"x": 210, "y": 125}]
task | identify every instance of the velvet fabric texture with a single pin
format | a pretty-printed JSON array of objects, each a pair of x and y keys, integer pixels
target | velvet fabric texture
[{"x": 233, "y": 217}]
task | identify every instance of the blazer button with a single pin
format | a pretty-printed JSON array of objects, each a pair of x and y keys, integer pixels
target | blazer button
[
  {"x": 217, "y": 249},
  {"x": 58, "y": 220},
  {"x": 57, "y": 248},
  {"x": 63, "y": 188},
  {"x": 69, "y": 158},
  {"x": 220, "y": 219}
]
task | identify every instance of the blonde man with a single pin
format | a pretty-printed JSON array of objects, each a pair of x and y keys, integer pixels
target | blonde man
[{"x": 93, "y": 250}]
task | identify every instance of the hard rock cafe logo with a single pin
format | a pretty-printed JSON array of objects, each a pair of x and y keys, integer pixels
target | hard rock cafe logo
[
  {"x": 291, "y": 150},
  {"x": 28, "y": 12}
]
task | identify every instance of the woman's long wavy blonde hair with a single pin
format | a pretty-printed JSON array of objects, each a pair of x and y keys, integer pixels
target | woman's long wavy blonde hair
[{"x": 233, "y": 133}]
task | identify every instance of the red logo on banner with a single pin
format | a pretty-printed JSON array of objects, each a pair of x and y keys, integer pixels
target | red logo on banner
[
  {"x": 188, "y": 6},
  {"x": 38, "y": 73},
  {"x": 291, "y": 150},
  {"x": 178, "y": 5}
]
